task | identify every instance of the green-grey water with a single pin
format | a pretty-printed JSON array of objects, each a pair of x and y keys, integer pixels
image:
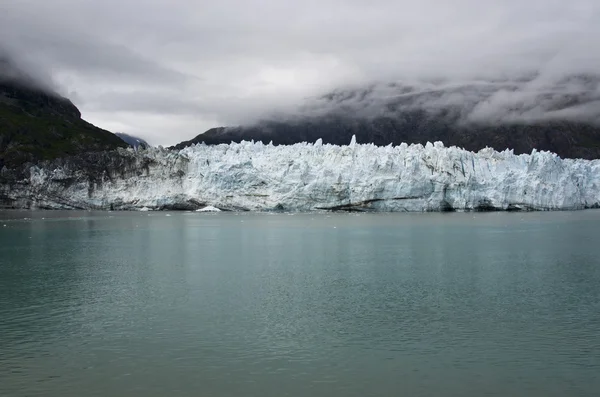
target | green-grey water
[{"x": 188, "y": 304}]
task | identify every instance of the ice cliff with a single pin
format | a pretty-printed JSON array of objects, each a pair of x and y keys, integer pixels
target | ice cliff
[{"x": 306, "y": 177}]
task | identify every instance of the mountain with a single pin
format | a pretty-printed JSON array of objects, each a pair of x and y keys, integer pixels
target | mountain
[
  {"x": 38, "y": 124},
  {"x": 133, "y": 141},
  {"x": 562, "y": 116}
]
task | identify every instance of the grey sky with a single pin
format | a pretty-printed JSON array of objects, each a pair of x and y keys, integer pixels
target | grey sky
[{"x": 168, "y": 70}]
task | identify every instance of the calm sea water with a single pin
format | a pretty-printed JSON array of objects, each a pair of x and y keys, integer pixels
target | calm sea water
[{"x": 188, "y": 304}]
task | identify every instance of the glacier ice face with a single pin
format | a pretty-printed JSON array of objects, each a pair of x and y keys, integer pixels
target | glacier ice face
[{"x": 306, "y": 177}]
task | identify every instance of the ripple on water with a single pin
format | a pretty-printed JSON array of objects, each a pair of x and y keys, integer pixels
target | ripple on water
[{"x": 266, "y": 305}]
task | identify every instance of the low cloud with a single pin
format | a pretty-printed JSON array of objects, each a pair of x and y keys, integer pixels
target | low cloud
[{"x": 167, "y": 71}]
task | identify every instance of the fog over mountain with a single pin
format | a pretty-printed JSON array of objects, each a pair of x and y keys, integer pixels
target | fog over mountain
[
  {"x": 167, "y": 71},
  {"x": 36, "y": 123}
]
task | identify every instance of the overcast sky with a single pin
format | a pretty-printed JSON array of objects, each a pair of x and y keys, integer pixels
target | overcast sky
[{"x": 169, "y": 70}]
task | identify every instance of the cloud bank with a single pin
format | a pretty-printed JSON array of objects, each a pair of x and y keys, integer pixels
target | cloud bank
[{"x": 166, "y": 71}]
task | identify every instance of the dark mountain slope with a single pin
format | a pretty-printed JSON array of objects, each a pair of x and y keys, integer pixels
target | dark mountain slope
[
  {"x": 567, "y": 139},
  {"x": 451, "y": 115},
  {"x": 39, "y": 125}
]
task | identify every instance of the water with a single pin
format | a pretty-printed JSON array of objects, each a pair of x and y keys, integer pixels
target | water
[{"x": 145, "y": 304}]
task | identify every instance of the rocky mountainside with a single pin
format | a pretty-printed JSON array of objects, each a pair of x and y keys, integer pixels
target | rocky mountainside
[
  {"x": 36, "y": 124},
  {"x": 563, "y": 118}
]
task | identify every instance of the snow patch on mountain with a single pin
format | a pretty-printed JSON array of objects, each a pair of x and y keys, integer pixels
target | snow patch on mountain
[{"x": 132, "y": 141}]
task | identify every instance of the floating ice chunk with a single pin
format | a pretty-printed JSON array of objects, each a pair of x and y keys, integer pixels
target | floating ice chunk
[{"x": 209, "y": 208}]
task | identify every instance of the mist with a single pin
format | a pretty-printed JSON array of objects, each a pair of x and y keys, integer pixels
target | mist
[
  {"x": 166, "y": 71},
  {"x": 16, "y": 71}
]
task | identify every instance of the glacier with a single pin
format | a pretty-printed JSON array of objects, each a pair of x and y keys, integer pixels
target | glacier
[{"x": 309, "y": 177}]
